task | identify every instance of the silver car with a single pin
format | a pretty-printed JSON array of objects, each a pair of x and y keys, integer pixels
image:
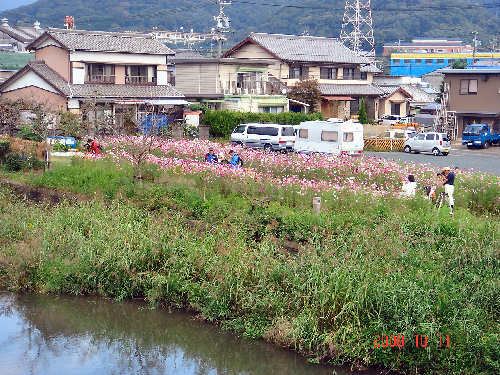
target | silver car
[{"x": 437, "y": 143}]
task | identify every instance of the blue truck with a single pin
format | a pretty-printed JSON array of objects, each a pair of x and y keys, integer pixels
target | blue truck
[{"x": 480, "y": 135}]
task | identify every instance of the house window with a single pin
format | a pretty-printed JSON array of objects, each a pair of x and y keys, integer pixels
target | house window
[
  {"x": 429, "y": 61},
  {"x": 440, "y": 61},
  {"x": 363, "y": 76},
  {"x": 328, "y": 73},
  {"x": 298, "y": 72},
  {"x": 396, "y": 62},
  {"x": 271, "y": 109},
  {"x": 101, "y": 73},
  {"x": 304, "y": 133},
  {"x": 348, "y": 73},
  {"x": 468, "y": 87},
  {"x": 329, "y": 136},
  {"x": 140, "y": 74},
  {"x": 396, "y": 109}
]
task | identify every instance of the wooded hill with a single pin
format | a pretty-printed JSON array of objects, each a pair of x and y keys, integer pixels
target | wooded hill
[{"x": 393, "y": 19}]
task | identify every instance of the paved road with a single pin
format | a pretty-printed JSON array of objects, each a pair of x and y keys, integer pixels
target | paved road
[{"x": 478, "y": 159}]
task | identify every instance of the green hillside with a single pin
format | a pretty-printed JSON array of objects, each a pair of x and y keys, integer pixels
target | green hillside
[
  {"x": 14, "y": 61},
  {"x": 393, "y": 19}
]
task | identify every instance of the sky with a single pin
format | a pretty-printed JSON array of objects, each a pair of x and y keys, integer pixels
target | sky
[{"x": 10, "y": 4}]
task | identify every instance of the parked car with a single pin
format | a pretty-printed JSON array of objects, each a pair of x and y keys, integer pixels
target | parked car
[
  {"x": 480, "y": 135},
  {"x": 267, "y": 136},
  {"x": 329, "y": 137},
  {"x": 399, "y": 134},
  {"x": 437, "y": 143}
]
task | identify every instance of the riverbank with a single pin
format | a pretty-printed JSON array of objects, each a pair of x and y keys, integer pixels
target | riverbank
[{"x": 258, "y": 262}]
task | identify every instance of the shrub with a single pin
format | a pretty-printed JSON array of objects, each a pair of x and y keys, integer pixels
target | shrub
[
  {"x": 222, "y": 123},
  {"x": 60, "y": 147},
  {"x": 14, "y": 162},
  {"x": 28, "y": 134},
  {"x": 4, "y": 148}
]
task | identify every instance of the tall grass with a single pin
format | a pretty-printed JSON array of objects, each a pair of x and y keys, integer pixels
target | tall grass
[{"x": 364, "y": 267}]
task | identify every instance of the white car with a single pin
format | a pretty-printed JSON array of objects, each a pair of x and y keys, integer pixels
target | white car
[
  {"x": 437, "y": 143},
  {"x": 267, "y": 136},
  {"x": 399, "y": 134}
]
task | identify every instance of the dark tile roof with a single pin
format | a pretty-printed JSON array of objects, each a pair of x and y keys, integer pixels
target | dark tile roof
[
  {"x": 100, "y": 41},
  {"x": 371, "y": 68},
  {"x": 16, "y": 33},
  {"x": 107, "y": 91},
  {"x": 307, "y": 48},
  {"x": 347, "y": 90}
]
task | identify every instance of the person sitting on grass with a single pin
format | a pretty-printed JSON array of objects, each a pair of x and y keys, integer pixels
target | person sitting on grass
[
  {"x": 235, "y": 160},
  {"x": 409, "y": 188},
  {"x": 211, "y": 157}
]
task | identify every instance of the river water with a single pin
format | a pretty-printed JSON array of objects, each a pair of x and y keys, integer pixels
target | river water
[{"x": 73, "y": 335}]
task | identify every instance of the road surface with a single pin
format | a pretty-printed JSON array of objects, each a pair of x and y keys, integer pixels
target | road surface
[{"x": 487, "y": 161}]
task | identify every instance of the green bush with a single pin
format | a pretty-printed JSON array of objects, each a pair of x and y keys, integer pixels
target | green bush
[
  {"x": 14, "y": 162},
  {"x": 25, "y": 132},
  {"x": 222, "y": 123},
  {"x": 4, "y": 148},
  {"x": 60, "y": 147}
]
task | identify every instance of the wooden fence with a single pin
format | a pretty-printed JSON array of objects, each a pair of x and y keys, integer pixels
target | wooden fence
[
  {"x": 384, "y": 144},
  {"x": 26, "y": 147}
]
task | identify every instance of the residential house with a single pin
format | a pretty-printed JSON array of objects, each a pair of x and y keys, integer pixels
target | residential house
[
  {"x": 344, "y": 77},
  {"x": 72, "y": 67},
  {"x": 17, "y": 38},
  {"x": 474, "y": 95},
  {"x": 403, "y": 95},
  {"x": 229, "y": 83}
]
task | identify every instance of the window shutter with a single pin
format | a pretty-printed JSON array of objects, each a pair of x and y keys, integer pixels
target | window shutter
[
  {"x": 473, "y": 86},
  {"x": 464, "y": 86}
]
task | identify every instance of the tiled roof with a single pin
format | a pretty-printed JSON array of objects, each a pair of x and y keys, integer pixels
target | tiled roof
[
  {"x": 370, "y": 69},
  {"x": 185, "y": 54},
  {"x": 107, "y": 91},
  {"x": 347, "y": 90},
  {"x": 16, "y": 33},
  {"x": 100, "y": 41},
  {"x": 307, "y": 48},
  {"x": 419, "y": 95}
]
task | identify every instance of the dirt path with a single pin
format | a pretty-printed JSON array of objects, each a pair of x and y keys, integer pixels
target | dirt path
[{"x": 43, "y": 195}]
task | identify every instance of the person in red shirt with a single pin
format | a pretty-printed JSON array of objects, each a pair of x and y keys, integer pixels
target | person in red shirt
[{"x": 93, "y": 146}]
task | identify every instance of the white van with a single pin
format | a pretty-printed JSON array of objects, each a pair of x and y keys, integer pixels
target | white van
[
  {"x": 329, "y": 138},
  {"x": 267, "y": 136}
]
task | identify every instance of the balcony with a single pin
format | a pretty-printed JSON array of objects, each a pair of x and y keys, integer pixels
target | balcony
[
  {"x": 140, "y": 80},
  {"x": 101, "y": 79},
  {"x": 246, "y": 87}
]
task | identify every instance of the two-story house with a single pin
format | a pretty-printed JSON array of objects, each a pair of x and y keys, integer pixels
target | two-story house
[
  {"x": 344, "y": 77},
  {"x": 228, "y": 83},
  {"x": 72, "y": 67},
  {"x": 474, "y": 96}
]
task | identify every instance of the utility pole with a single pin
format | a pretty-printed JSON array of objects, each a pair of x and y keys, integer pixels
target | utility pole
[
  {"x": 223, "y": 25},
  {"x": 474, "y": 46},
  {"x": 357, "y": 27}
]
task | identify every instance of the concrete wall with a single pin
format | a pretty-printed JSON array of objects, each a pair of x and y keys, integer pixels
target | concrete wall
[
  {"x": 488, "y": 93},
  {"x": 57, "y": 59},
  {"x": 52, "y": 101}
]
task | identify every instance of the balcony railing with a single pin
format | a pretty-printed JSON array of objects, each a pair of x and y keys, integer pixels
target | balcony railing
[
  {"x": 247, "y": 87},
  {"x": 101, "y": 79},
  {"x": 140, "y": 80}
]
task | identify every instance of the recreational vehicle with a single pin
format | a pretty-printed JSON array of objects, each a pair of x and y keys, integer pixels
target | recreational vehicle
[{"x": 329, "y": 138}]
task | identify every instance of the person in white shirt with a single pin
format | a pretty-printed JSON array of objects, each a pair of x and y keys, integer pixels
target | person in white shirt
[{"x": 409, "y": 188}]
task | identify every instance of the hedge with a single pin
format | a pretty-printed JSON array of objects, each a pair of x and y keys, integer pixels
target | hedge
[{"x": 222, "y": 123}]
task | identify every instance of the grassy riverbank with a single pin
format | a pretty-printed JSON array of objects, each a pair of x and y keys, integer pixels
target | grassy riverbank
[{"x": 325, "y": 286}]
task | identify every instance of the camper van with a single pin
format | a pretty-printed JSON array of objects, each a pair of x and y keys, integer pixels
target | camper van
[{"x": 329, "y": 138}]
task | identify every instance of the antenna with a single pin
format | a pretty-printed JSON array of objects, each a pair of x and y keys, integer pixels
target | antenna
[
  {"x": 357, "y": 27},
  {"x": 223, "y": 24}
]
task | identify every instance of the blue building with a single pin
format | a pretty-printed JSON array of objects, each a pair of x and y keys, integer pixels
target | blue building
[{"x": 418, "y": 64}]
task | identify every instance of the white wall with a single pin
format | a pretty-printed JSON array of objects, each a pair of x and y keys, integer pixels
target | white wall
[
  {"x": 27, "y": 80},
  {"x": 118, "y": 58}
]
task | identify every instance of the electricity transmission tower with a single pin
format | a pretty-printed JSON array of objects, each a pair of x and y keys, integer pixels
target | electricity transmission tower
[
  {"x": 357, "y": 27},
  {"x": 223, "y": 25}
]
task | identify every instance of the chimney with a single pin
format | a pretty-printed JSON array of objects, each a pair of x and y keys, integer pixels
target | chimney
[
  {"x": 5, "y": 22},
  {"x": 36, "y": 25}
]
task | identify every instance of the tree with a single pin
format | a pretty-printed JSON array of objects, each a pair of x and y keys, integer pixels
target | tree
[
  {"x": 308, "y": 92},
  {"x": 459, "y": 64},
  {"x": 362, "y": 117},
  {"x": 10, "y": 116}
]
